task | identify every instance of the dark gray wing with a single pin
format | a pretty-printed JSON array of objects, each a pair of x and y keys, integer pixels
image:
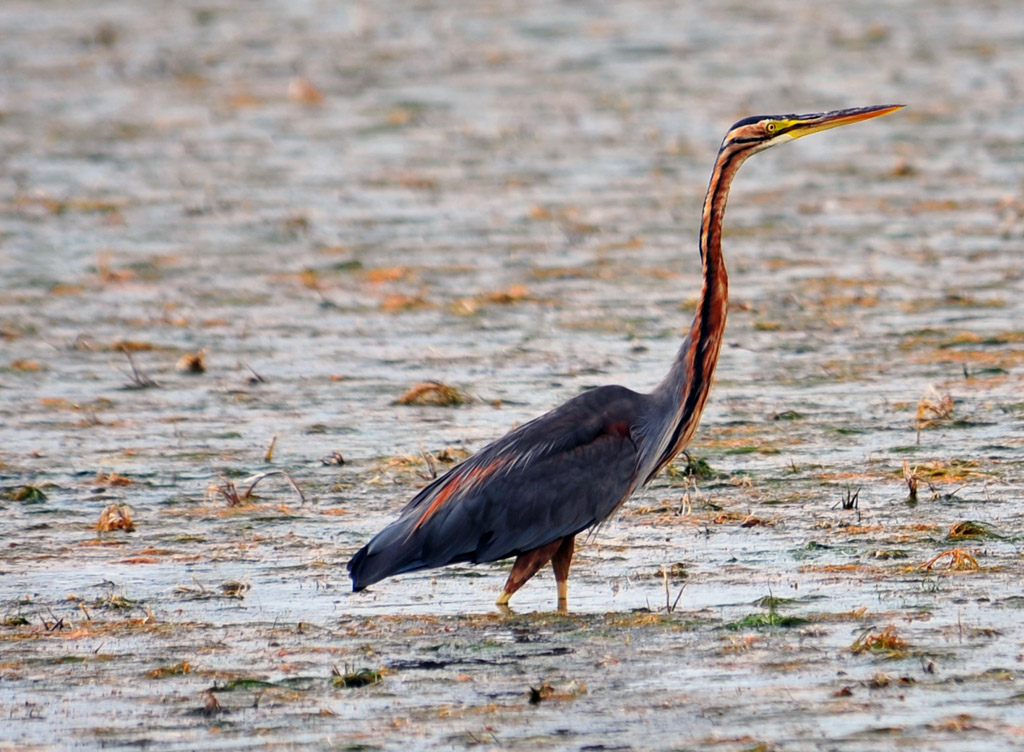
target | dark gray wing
[{"x": 552, "y": 477}]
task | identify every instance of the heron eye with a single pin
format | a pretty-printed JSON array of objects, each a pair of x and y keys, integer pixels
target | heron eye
[{"x": 770, "y": 127}]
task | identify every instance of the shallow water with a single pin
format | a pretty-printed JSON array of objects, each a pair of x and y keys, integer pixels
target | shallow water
[{"x": 505, "y": 199}]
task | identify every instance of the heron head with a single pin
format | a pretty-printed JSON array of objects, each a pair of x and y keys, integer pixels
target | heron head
[{"x": 762, "y": 131}]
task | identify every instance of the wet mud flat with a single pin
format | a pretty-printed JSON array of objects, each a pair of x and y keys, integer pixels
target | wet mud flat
[{"x": 233, "y": 237}]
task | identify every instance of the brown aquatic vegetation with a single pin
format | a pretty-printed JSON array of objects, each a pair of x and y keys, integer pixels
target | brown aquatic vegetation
[
  {"x": 112, "y": 479},
  {"x": 302, "y": 90},
  {"x": 450, "y": 455},
  {"x": 742, "y": 644},
  {"x": 969, "y": 530},
  {"x": 194, "y": 363},
  {"x": 886, "y": 641},
  {"x": 546, "y": 691},
  {"x": 881, "y": 680},
  {"x": 960, "y": 560},
  {"x": 1004, "y": 358},
  {"x": 228, "y": 490},
  {"x": 859, "y": 529},
  {"x": 951, "y": 471},
  {"x": 387, "y": 274},
  {"x": 211, "y": 706},
  {"x": 961, "y": 722},
  {"x": 726, "y": 517},
  {"x": 24, "y": 365},
  {"x": 131, "y": 345},
  {"x": 231, "y": 589},
  {"x": 397, "y": 303},
  {"x": 920, "y": 527},
  {"x": 116, "y": 517},
  {"x": 513, "y": 294},
  {"x": 234, "y": 588},
  {"x": 84, "y": 205},
  {"x": 932, "y": 410},
  {"x": 857, "y": 614},
  {"x": 423, "y": 465},
  {"x": 178, "y": 669},
  {"x": 109, "y": 275},
  {"x": 837, "y": 568},
  {"x": 911, "y": 480},
  {"x": 432, "y": 393}
]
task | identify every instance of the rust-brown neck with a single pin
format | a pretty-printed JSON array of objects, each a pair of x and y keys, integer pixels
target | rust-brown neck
[{"x": 692, "y": 373}]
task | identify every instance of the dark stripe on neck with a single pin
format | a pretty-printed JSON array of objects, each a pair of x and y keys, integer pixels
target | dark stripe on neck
[{"x": 747, "y": 140}]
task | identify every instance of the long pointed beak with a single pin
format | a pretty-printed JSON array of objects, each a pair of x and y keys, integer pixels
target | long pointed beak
[{"x": 804, "y": 125}]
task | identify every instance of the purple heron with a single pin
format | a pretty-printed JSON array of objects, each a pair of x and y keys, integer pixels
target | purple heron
[{"x": 532, "y": 491}]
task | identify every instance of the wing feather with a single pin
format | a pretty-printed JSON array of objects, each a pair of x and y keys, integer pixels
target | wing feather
[{"x": 554, "y": 476}]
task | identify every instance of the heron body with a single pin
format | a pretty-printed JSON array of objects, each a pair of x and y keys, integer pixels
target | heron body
[{"x": 529, "y": 493}]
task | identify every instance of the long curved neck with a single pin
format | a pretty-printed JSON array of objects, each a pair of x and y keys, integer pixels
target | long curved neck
[{"x": 682, "y": 394}]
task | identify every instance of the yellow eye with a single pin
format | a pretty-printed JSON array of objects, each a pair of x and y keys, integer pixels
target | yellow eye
[{"x": 770, "y": 127}]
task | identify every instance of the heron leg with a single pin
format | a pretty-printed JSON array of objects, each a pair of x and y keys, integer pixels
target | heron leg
[
  {"x": 526, "y": 566},
  {"x": 560, "y": 563}
]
